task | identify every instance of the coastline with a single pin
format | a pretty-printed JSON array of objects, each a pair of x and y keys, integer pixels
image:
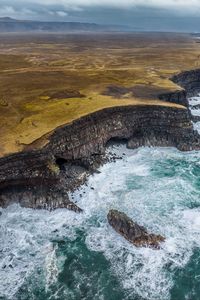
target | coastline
[{"x": 43, "y": 178}]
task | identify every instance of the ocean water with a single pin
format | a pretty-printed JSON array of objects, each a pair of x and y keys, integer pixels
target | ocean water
[{"x": 63, "y": 255}]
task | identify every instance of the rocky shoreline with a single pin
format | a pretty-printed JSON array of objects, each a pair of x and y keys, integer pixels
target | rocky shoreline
[{"x": 43, "y": 178}]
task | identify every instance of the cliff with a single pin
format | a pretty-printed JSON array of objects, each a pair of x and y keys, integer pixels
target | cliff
[
  {"x": 189, "y": 80},
  {"x": 43, "y": 178}
]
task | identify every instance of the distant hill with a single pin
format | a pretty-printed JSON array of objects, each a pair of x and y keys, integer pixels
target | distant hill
[
  {"x": 11, "y": 25},
  {"x": 7, "y": 19}
]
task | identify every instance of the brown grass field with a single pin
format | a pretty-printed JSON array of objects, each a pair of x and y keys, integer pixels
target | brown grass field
[{"x": 49, "y": 80}]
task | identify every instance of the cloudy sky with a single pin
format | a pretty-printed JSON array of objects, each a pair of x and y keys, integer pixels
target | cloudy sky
[{"x": 176, "y": 15}]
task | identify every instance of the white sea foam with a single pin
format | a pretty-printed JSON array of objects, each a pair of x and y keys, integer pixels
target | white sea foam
[
  {"x": 193, "y": 101},
  {"x": 195, "y": 112},
  {"x": 137, "y": 185},
  {"x": 197, "y": 126},
  {"x": 51, "y": 267},
  {"x": 25, "y": 237}
]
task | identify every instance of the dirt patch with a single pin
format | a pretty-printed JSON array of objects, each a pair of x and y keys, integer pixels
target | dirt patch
[
  {"x": 141, "y": 91},
  {"x": 63, "y": 94}
]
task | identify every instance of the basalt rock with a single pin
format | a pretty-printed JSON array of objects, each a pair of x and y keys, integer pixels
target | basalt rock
[
  {"x": 135, "y": 234},
  {"x": 179, "y": 97},
  {"x": 189, "y": 80}
]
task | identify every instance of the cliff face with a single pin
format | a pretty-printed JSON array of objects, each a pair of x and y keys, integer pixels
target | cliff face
[
  {"x": 179, "y": 97},
  {"x": 190, "y": 81},
  {"x": 44, "y": 177}
]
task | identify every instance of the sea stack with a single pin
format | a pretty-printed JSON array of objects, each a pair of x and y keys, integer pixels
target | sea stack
[{"x": 134, "y": 233}]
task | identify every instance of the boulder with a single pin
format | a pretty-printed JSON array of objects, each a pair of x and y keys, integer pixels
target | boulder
[{"x": 134, "y": 233}]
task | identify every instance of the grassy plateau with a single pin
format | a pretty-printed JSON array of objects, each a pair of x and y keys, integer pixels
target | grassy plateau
[{"x": 49, "y": 80}]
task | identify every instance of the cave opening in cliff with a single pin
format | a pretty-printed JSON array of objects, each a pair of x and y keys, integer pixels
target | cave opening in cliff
[
  {"x": 61, "y": 163},
  {"x": 116, "y": 141}
]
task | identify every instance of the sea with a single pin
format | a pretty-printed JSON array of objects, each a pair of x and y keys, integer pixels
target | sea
[{"x": 68, "y": 256}]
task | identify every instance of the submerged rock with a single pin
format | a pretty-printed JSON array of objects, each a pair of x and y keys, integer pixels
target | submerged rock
[
  {"x": 195, "y": 119},
  {"x": 131, "y": 231},
  {"x": 72, "y": 206}
]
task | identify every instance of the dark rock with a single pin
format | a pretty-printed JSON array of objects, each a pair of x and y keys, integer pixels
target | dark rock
[
  {"x": 195, "y": 119},
  {"x": 72, "y": 206},
  {"x": 197, "y": 107},
  {"x": 131, "y": 231},
  {"x": 189, "y": 80},
  {"x": 97, "y": 172}
]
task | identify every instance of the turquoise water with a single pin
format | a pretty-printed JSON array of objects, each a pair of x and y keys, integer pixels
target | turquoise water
[{"x": 63, "y": 255}]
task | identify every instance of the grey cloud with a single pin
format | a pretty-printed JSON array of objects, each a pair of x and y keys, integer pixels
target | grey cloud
[
  {"x": 190, "y": 6},
  {"x": 139, "y": 14}
]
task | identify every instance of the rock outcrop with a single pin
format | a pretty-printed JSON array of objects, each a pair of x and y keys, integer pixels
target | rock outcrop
[
  {"x": 189, "y": 80},
  {"x": 135, "y": 234}
]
